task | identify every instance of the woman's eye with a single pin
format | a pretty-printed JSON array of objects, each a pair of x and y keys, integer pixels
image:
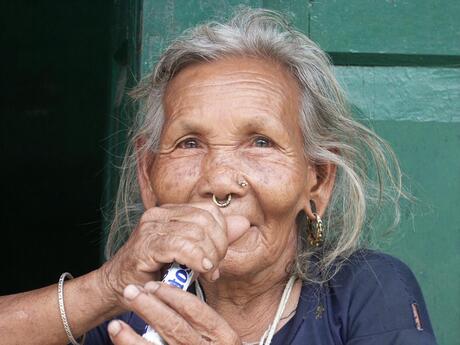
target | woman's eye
[
  {"x": 262, "y": 142},
  {"x": 189, "y": 143}
]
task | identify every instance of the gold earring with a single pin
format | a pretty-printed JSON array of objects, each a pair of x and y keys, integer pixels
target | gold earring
[{"x": 315, "y": 231}]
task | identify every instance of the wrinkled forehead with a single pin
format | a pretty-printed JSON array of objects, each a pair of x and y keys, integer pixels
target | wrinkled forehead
[{"x": 257, "y": 85}]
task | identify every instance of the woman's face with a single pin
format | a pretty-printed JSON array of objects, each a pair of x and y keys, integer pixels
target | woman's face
[{"x": 230, "y": 120}]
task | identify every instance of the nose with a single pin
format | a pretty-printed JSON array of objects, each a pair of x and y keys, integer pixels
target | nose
[{"x": 222, "y": 177}]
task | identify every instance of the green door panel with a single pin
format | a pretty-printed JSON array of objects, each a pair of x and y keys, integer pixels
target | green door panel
[
  {"x": 403, "y": 93},
  {"x": 416, "y": 27},
  {"x": 298, "y": 11},
  {"x": 163, "y": 20},
  {"x": 429, "y": 236}
]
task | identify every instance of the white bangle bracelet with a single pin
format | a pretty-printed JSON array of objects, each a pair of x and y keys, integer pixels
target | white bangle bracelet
[{"x": 62, "y": 309}]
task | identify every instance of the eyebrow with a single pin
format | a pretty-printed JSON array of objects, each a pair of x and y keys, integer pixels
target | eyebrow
[{"x": 193, "y": 124}]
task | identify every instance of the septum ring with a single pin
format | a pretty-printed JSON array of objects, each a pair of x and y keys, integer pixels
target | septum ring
[{"x": 222, "y": 203}]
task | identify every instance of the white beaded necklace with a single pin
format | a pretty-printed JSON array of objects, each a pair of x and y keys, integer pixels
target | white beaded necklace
[{"x": 270, "y": 332}]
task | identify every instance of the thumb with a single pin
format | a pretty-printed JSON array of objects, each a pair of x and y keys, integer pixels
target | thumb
[{"x": 236, "y": 227}]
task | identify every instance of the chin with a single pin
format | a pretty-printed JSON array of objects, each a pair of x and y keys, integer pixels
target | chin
[
  {"x": 244, "y": 257},
  {"x": 249, "y": 256}
]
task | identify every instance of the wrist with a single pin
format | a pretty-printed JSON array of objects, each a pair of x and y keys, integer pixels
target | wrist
[{"x": 107, "y": 292}]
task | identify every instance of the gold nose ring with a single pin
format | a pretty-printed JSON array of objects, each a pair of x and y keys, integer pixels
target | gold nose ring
[{"x": 222, "y": 203}]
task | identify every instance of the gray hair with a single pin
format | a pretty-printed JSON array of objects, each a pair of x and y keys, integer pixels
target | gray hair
[{"x": 368, "y": 175}]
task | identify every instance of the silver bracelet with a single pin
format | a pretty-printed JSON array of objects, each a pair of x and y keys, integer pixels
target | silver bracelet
[{"x": 62, "y": 309}]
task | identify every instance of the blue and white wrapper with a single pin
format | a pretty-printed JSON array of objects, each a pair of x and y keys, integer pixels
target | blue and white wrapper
[{"x": 181, "y": 277}]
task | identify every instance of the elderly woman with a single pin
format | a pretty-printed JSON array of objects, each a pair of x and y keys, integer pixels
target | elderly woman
[{"x": 245, "y": 167}]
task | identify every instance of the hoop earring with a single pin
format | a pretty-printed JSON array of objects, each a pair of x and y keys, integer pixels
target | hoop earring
[{"x": 315, "y": 231}]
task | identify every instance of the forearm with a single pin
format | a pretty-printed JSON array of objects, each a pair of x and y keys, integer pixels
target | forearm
[{"x": 33, "y": 317}]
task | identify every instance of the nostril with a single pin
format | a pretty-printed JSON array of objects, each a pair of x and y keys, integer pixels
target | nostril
[{"x": 223, "y": 198}]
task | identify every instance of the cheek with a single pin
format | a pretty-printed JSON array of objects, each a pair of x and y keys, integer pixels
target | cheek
[
  {"x": 279, "y": 182},
  {"x": 174, "y": 179}
]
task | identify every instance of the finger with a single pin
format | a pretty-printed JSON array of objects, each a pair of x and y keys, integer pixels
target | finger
[
  {"x": 198, "y": 314},
  {"x": 210, "y": 219},
  {"x": 214, "y": 227},
  {"x": 213, "y": 223},
  {"x": 185, "y": 243},
  {"x": 168, "y": 323},
  {"x": 213, "y": 210},
  {"x": 233, "y": 225},
  {"x": 122, "y": 334},
  {"x": 166, "y": 212}
]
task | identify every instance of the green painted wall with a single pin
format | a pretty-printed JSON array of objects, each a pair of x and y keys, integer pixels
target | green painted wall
[
  {"x": 418, "y": 27},
  {"x": 399, "y": 62},
  {"x": 428, "y": 240}
]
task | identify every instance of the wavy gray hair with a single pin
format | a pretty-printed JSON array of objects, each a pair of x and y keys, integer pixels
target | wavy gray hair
[{"x": 368, "y": 174}]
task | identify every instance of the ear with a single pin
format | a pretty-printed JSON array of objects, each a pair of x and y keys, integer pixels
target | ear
[
  {"x": 144, "y": 163},
  {"x": 321, "y": 179}
]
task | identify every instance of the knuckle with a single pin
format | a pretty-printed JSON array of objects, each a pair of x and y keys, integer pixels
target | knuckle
[
  {"x": 197, "y": 236},
  {"x": 188, "y": 253},
  {"x": 151, "y": 213},
  {"x": 187, "y": 230},
  {"x": 212, "y": 253},
  {"x": 210, "y": 212},
  {"x": 206, "y": 216},
  {"x": 191, "y": 306},
  {"x": 180, "y": 244},
  {"x": 154, "y": 240},
  {"x": 213, "y": 325},
  {"x": 175, "y": 331},
  {"x": 144, "y": 228},
  {"x": 193, "y": 228},
  {"x": 216, "y": 213},
  {"x": 195, "y": 251},
  {"x": 195, "y": 231},
  {"x": 148, "y": 229}
]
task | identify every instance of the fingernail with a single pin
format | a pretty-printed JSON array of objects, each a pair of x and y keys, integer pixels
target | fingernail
[
  {"x": 131, "y": 292},
  {"x": 151, "y": 287},
  {"x": 215, "y": 275},
  {"x": 114, "y": 328},
  {"x": 207, "y": 264}
]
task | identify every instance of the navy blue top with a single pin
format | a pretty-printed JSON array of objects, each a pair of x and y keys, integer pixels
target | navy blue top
[{"x": 373, "y": 300}]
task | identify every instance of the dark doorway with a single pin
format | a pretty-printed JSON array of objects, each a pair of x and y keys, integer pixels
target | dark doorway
[{"x": 55, "y": 78}]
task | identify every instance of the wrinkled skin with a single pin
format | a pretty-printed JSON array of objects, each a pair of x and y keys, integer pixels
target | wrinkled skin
[{"x": 226, "y": 121}]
